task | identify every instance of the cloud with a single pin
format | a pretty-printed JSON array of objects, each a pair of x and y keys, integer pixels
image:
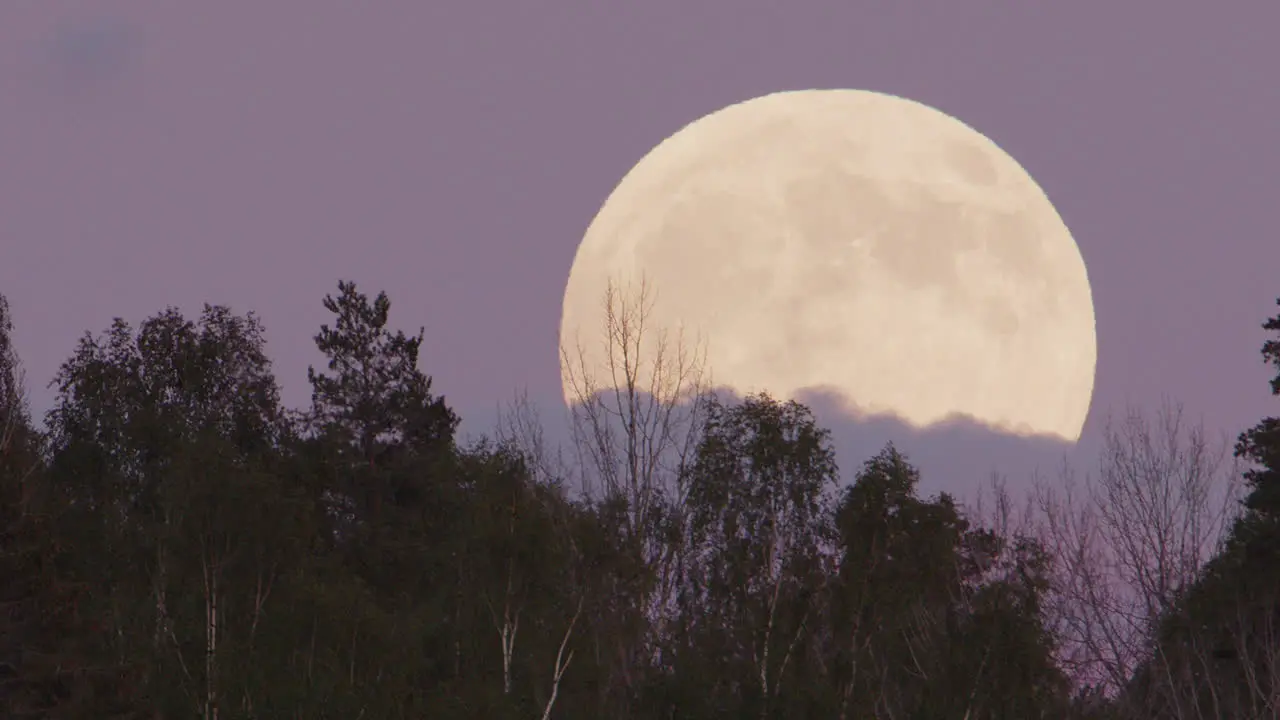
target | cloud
[
  {"x": 90, "y": 54},
  {"x": 960, "y": 456}
]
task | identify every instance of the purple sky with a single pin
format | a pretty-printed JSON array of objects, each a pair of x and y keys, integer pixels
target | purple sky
[{"x": 453, "y": 153}]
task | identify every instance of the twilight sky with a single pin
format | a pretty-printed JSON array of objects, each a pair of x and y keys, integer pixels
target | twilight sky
[{"x": 453, "y": 153}]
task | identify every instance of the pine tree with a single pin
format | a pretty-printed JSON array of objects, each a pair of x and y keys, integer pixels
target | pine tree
[{"x": 1261, "y": 443}]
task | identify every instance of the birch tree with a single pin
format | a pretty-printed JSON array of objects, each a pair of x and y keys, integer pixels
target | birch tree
[
  {"x": 52, "y": 662},
  {"x": 759, "y": 505},
  {"x": 167, "y": 436}
]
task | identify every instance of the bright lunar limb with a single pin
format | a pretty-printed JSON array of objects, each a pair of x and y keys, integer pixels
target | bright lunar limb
[{"x": 855, "y": 243}]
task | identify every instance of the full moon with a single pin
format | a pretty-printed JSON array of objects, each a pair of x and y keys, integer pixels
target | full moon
[{"x": 853, "y": 243}]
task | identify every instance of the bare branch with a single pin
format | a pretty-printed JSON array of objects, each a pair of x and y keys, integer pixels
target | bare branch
[
  {"x": 1130, "y": 540},
  {"x": 637, "y": 402}
]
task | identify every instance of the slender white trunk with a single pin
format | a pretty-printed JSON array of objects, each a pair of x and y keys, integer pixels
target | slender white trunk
[
  {"x": 211, "y": 641},
  {"x": 776, "y": 568},
  {"x": 261, "y": 593},
  {"x": 510, "y": 626},
  {"x": 562, "y": 664},
  {"x": 164, "y": 624}
]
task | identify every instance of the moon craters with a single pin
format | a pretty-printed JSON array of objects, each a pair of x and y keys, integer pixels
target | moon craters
[
  {"x": 971, "y": 164},
  {"x": 858, "y": 242}
]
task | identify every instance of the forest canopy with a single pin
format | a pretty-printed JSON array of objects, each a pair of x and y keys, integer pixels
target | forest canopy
[{"x": 174, "y": 543}]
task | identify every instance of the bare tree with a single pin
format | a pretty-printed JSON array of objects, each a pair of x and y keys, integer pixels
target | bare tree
[
  {"x": 638, "y": 396},
  {"x": 520, "y": 428},
  {"x": 636, "y": 407},
  {"x": 1129, "y": 541}
]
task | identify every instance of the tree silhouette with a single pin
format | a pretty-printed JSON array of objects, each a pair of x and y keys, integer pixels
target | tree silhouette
[{"x": 175, "y": 543}]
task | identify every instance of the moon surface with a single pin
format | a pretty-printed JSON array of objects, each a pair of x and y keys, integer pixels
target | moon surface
[{"x": 854, "y": 243}]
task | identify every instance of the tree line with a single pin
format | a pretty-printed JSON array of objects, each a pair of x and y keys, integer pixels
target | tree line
[{"x": 174, "y": 543}]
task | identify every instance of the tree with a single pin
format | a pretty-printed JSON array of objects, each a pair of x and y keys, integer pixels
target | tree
[
  {"x": 1132, "y": 540},
  {"x": 376, "y": 406},
  {"x": 1217, "y": 648},
  {"x": 386, "y": 472},
  {"x": 516, "y": 629},
  {"x": 636, "y": 411},
  {"x": 1260, "y": 445},
  {"x": 51, "y": 651},
  {"x": 15, "y": 420},
  {"x": 759, "y": 519},
  {"x": 170, "y": 442},
  {"x": 930, "y": 615},
  {"x": 895, "y": 580},
  {"x": 636, "y": 414}
]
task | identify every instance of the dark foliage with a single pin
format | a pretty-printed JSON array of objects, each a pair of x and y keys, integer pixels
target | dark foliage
[{"x": 176, "y": 544}]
